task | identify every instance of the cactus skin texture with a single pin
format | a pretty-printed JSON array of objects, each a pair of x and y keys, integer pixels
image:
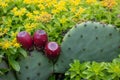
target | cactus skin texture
[
  {"x": 89, "y": 41},
  {"x": 35, "y": 67},
  {"x": 9, "y": 76}
]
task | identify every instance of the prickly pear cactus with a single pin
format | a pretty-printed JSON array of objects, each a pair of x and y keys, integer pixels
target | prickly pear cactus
[
  {"x": 35, "y": 67},
  {"x": 89, "y": 41}
]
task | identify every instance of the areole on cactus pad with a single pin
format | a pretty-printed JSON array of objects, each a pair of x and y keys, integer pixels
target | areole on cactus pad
[{"x": 87, "y": 41}]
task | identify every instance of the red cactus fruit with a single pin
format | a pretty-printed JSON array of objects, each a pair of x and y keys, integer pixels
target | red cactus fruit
[
  {"x": 40, "y": 39},
  {"x": 25, "y": 40},
  {"x": 52, "y": 50}
]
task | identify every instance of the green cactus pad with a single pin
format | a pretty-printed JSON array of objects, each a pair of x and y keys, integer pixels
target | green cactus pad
[
  {"x": 35, "y": 67},
  {"x": 89, "y": 41},
  {"x": 8, "y": 75}
]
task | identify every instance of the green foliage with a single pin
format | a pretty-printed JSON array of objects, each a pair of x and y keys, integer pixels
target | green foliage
[
  {"x": 76, "y": 70},
  {"x": 94, "y": 70}
]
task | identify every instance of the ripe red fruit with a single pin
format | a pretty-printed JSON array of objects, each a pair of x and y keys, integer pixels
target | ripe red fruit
[
  {"x": 40, "y": 39},
  {"x": 52, "y": 50},
  {"x": 25, "y": 40}
]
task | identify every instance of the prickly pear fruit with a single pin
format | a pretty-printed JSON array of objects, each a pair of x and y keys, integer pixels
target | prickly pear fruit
[
  {"x": 25, "y": 40},
  {"x": 40, "y": 39},
  {"x": 52, "y": 50}
]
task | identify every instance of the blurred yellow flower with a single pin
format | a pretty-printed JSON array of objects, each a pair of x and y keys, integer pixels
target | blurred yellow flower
[
  {"x": 13, "y": 34},
  {"x": 61, "y": 6},
  {"x": 19, "y": 12},
  {"x": 109, "y": 3},
  {"x": 30, "y": 26},
  {"x": 14, "y": 9},
  {"x": 3, "y": 31},
  {"x": 14, "y": 41},
  {"x": 74, "y": 2},
  {"x": 80, "y": 11},
  {"x": 73, "y": 9},
  {"x": 63, "y": 20},
  {"x": 29, "y": 15},
  {"x": 3, "y": 4},
  {"x": 91, "y": 1},
  {"x": 43, "y": 17},
  {"x": 27, "y": 1},
  {"x": 50, "y": 3},
  {"x": 41, "y": 6},
  {"x": 6, "y": 44},
  {"x": 16, "y": 45},
  {"x": 0, "y": 44},
  {"x": 36, "y": 12}
]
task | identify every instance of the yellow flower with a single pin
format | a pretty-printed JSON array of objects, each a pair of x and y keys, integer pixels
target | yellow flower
[
  {"x": 1, "y": 34},
  {"x": 0, "y": 44},
  {"x": 109, "y": 3},
  {"x": 14, "y": 9},
  {"x": 63, "y": 20},
  {"x": 29, "y": 15},
  {"x": 80, "y": 11},
  {"x": 27, "y": 1},
  {"x": 55, "y": 11},
  {"x": 16, "y": 45},
  {"x": 3, "y": 4},
  {"x": 36, "y": 12},
  {"x": 91, "y": 1},
  {"x": 14, "y": 41},
  {"x": 19, "y": 12},
  {"x": 50, "y": 3},
  {"x": 13, "y": 34},
  {"x": 74, "y": 2},
  {"x": 73, "y": 9},
  {"x": 0, "y": 29},
  {"x": 3, "y": 31},
  {"x": 43, "y": 17},
  {"x": 6, "y": 44},
  {"x": 41, "y": 6},
  {"x": 30, "y": 26},
  {"x": 61, "y": 6}
]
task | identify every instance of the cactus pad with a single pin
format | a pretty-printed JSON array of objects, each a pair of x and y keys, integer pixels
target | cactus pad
[
  {"x": 35, "y": 67},
  {"x": 89, "y": 41}
]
